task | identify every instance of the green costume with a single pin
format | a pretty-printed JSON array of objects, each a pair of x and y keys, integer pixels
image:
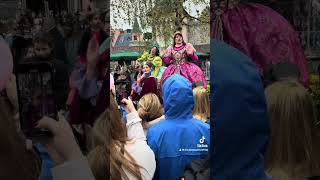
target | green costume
[{"x": 155, "y": 60}]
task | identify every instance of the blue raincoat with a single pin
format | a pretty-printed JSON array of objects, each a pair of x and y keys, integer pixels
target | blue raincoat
[
  {"x": 240, "y": 121},
  {"x": 47, "y": 162},
  {"x": 179, "y": 139}
]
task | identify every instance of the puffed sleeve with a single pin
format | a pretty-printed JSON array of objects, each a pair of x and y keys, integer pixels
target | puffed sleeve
[{"x": 168, "y": 57}]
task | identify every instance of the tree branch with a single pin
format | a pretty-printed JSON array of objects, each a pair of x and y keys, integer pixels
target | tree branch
[{"x": 187, "y": 15}]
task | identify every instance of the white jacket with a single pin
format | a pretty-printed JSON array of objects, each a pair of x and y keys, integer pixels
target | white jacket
[{"x": 137, "y": 148}]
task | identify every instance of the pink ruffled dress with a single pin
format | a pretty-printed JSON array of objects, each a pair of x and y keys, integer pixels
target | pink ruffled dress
[
  {"x": 260, "y": 33},
  {"x": 178, "y": 59}
]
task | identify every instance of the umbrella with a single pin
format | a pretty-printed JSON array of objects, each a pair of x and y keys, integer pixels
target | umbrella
[{"x": 124, "y": 55}]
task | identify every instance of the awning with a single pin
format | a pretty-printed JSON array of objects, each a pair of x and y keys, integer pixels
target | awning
[
  {"x": 202, "y": 55},
  {"x": 124, "y": 55}
]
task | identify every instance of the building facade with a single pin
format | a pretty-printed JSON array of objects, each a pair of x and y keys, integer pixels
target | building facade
[{"x": 126, "y": 40}]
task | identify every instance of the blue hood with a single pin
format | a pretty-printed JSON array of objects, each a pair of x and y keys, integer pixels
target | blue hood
[
  {"x": 240, "y": 121},
  {"x": 179, "y": 139},
  {"x": 178, "y": 97}
]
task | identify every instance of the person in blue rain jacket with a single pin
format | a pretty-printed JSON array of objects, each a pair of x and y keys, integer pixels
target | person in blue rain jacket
[
  {"x": 179, "y": 139},
  {"x": 47, "y": 162},
  {"x": 241, "y": 126}
]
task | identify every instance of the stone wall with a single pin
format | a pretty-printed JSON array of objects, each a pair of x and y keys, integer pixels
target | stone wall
[{"x": 199, "y": 36}]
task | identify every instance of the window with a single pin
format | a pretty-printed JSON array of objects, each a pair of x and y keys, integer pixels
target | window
[{"x": 135, "y": 38}]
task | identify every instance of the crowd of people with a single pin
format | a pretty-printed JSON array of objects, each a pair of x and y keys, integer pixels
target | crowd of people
[
  {"x": 103, "y": 126},
  {"x": 64, "y": 28},
  {"x": 172, "y": 104},
  {"x": 156, "y": 123},
  {"x": 29, "y": 23}
]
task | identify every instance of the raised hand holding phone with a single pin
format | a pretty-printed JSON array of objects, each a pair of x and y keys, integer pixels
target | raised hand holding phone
[
  {"x": 35, "y": 87},
  {"x": 128, "y": 104},
  {"x": 63, "y": 141}
]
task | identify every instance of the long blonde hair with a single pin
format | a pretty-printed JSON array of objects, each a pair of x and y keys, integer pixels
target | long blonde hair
[
  {"x": 109, "y": 154},
  {"x": 294, "y": 148},
  {"x": 150, "y": 108},
  {"x": 201, "y": 108}
]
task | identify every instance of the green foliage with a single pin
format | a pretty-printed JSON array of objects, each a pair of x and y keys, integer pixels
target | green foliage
[
  {"x": 136, "y": 26},
  {"x": 208, "y": 88},
  {"x": 147, "y": 36},
  {"x": 205, "y": 15},
  {"x": 162, "y": 16},
  {"x": 315, "y": 93}
]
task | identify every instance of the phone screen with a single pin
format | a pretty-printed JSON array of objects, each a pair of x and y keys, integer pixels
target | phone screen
[
  {"x": 122, "y": 91},
  {"x": 36, "y": 98}
]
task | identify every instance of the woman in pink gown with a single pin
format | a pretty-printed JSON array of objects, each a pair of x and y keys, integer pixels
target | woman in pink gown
[
  {"x": 177, "y": 60},
  {"x": 260, "y": 33}
]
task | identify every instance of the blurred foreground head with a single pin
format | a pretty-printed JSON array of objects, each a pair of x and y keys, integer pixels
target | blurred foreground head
[
  {"x": 6, "y": 64},
  {"x": 294, "y": 147},
  {"x": 14, "y": 155},
  {"x": 110, "y": 136},
  {"x": 241, "y": 129}
]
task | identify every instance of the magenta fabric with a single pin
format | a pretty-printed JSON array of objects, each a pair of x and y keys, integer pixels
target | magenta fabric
[
  {"x": 6, "y": 64},
  {"x": 147, "y": 85},
  {"x": 185, "y": 68},
  {"x": 88, "y": 98},
  {"x": 263, "y": 35}
]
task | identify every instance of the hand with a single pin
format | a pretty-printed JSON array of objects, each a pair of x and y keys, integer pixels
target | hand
[
  {"x": 190, "y": 51},
  {"x": 63, "y": 142},
  {"x": 129, "y": 107},
  {"x": 93, "y": 52},
  {"x": 139, "y": 78},
  {"x": 11, "y": 90}
]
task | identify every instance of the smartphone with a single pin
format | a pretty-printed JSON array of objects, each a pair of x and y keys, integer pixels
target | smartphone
[
  {"x": 122, "y": 90},
  {"x": 35, "y": 84}
]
